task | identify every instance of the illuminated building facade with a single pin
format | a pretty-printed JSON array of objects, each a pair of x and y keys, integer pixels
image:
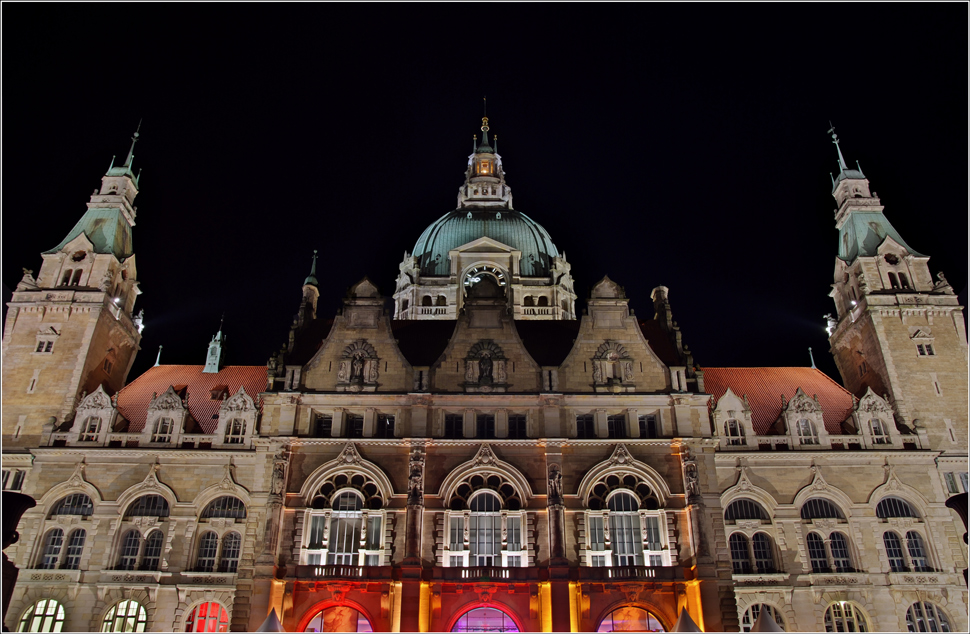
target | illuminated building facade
[{"x": 481, "y": 457}]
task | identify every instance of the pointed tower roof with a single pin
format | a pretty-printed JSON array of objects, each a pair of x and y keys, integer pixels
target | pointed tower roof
[
  {"x": 214, "y": 358},
  {"x": 311, "y": 279}
]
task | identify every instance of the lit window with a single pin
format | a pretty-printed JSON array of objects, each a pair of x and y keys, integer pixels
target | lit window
[
  {"x": 630, "y": 619},
  {"x": 162, "y": 430},
  {"x": 126, "y": 616},
  {"x": 924, "y": 616},
  {"x": 207, "y": 617},
  {"x": 807, "y": 432},
  {"x": 734, "y": 432},
  {"x": 485, "y": 530},
  {"x": 91, "y": 429},
  {"x": 47, "y": 615},
  {"x": 625, "y": 530},
  {"x": 339, "y": 618},
  {"x": 845, "y": 617},
  {"x": 345, "y": 525}
]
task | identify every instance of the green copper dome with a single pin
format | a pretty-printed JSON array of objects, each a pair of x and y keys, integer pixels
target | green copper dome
[{"x": 456, "y": 228}]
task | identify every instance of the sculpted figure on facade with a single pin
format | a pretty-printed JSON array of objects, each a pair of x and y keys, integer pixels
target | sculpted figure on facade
[{"x": 555, "y": 484}]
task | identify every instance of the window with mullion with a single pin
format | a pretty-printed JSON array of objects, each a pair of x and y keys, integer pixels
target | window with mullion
[
  {"x": 616, "y": 426},
  {"x": 517, "y": 426},
  {"x": 130, "y": 549},
  {"x": 314, "y": 547},
  {"x": 626, "y": 540},
  {"x": 485, "y": 543},
  {"x": 740, "y": 560},
  {"x": 585, "y": 426},
  {"x": 597, "y": 541},
  {"x": 816, "y": 553},
  {"x": 384, "y": 426},
  {"x": 894, "y": 551},
  {"x": 153, "y": 551},
  {"x": 764, "y": 559},
  {"x": 454, "y": 426},
  {"x": 75, "y": 546},
  {"x": 208, "y": 552},
  {"x": 344, "y": 538},
  {"x": 231, "y": 547},
  {"x": 52, "y": 549},
  {"x": 839, "y": 546},
  {"x": 354, "y": 424},
  {"x": 485, "y": 426},
  {"x": 917, "y": 552},
  {"x": 648, "y": 426}
]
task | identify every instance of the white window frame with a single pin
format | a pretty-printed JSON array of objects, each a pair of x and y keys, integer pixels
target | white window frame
[
  {"x": 87, "y": 433},
  {"x": 879, "y": 431},
  {"x": 326, "y": 517},
  {"x": 643, "y": 515},
  {"x": 451, "y": 557},
  {"x": 811, "y": 438},
  {"x": 737, "y": 438}
]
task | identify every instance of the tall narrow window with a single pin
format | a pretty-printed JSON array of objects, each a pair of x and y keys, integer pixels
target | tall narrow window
[
  {"x": 454, "y": 426},
  {"x": 917, "y": 552},
  {"x": 91, "y": 429},
  {"x": 323, "y": 427},
  {"x": 839, "y": 546},
  {"x": 485, "y": 426},
  {"x": 130, "y": 549},
  {"x": 231, "y": 547},
  {"x": 52, "y": 549},
  {"x": 764, "y": 560},
  {"x": 585, "y": 426},
  {"x": 76, "y": 280},
  {"x": 739, "y": 554},
  {"x": 208, "y": 617},
  {"x": 235, "y": 431},
  {"x": 616, "y": 426},
  {"x": 345, "y": 525},
  {"x": 894, "y": 551},
  {"x": 903, "y": 280},
  {"x": 648, "y": 426},
  {"x": 625, "y": 532},
  {"x": 208, "y": 551},
  {"x": 153, "y": 551},
  {"x": 597, "y": 541},
  {"x": 162, "y": 431},
  {"x": 384, "y": 426},
  {"x": 66, "y": 280},
  {"x": 816, "y": 553},
  {"x": 807, "y": 433},
  {"x": 354, "y": 425},
  {"x": 375, "y": 540},
  {"x": 456, "y": 535},
  {"x": 485, "y": 530},
  {"x": 75, "y": 546},
  {"x": 734, "y": 432},
  {"x": 880, "y": 434},
  {"x": 845, "y": 617},
  {"x": 517, "y": 424},
  {"x": 893, "y": 280}
]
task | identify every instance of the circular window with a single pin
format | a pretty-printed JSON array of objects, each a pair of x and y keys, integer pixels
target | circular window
[
  {"x": 485, "y": 620},
  {"x": 339, "y": 618},
  {"x": 630, "y": 619}
]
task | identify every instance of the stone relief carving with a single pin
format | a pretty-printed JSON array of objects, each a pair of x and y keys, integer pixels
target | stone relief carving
[
  {"x": 555, "y": 484},
  {"x": 169, "y": 400},
  {"x": 350, "y": 455},
  {"x": 416, "y": 479},
  {"x": 691, "y": 485},
  {"x": 278, "y": 483},
  {"x": 620, "y": 455},
  {"x": 485, "y": 366},
  {"x": 612, "y": 363},
  {"x": 485, "y": 455},
  {"x": 359, "y": 367},
  {"x": 239, "y": 402}
]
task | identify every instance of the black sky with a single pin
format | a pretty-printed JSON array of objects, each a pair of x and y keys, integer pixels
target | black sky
[{"x": 682, "y": 145}]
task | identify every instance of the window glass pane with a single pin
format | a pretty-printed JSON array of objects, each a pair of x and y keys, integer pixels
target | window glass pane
[
  {"x": 752, "y": 613},
  {"x": 894, "y": 507},
  {"x": 653, "y": 533},
  {"x": 745, "y": 510},
  {"x": 894, "y": 550},
  {"x": 355, "y": 425},
  {"x": 626, "y": 540},
  {"x": 648, "y": 426},
  {"x": 816, "y": 553},
  {"x": 208, "y": 549},
  {"x": 917, "y": 552},
  {"x": 597, "y": 539},
  {"x": 74, "y": 504},
  {"x": 231, "y": 545},
  {"x": 514, "y": 533},
  {"x": 839, "y": 546},
  {"x": 225, "y": 506},
  {"x": 47, "y": 615},
  {"x": 153, "y": 551},
  {"x": 764, "y": 559},
  {"x": 344, "y": 540},
  {"x": 375, "y": 536},
  {"x": 739, "y": 554},
  {"x": 75, "y": 546},
  {"x": 148, "y": 506},
  {"x": 616, "y": 426},
  {"x": 323, "y": 427},
  {"x": 52, "y": 549},
  {"x": 130, "y": 547},
  {"x": 456, "y": 539},
  {"x": 585, "y": 427}
]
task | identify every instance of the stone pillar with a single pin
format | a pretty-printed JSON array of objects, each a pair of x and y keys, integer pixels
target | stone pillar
[{"x": 414, "y": 527}]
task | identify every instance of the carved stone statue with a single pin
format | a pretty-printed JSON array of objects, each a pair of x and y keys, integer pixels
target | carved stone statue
[
  {"x": 356, "y": 369},
  {"x": 555, "y": 484},
  {"x": 485, "y": 368},
  {"x": 279, "y": 476},
  {"x": 597, "y": 372}
]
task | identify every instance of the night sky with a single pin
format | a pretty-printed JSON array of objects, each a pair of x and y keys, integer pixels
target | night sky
[{"x": 681, "y": 145}]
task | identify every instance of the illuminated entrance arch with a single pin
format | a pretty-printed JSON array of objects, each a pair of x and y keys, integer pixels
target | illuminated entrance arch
[
  {"x": 338, "y": 618},
  {"x": 485, "y": 618},
  {"x": 630, "y": 619}
]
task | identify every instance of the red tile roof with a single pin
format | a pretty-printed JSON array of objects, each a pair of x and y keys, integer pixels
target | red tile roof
[
  {"x": 764, "y": 388},
  {"x": 133, "y": 399}
]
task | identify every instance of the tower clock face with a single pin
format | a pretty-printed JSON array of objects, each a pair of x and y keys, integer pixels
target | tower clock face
[{"x": 474, "y": 276}]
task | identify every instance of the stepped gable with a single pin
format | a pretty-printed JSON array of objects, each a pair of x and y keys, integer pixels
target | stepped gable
[
  {"x": 660, "y": 342},
  {"x": 422, "y": 342},
  {"x": 764, "y": 388},
  {"x": 548, "y": 342},
  {"x": 134, "y": 398}
]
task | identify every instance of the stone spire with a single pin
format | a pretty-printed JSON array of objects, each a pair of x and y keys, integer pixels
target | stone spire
[{"x": 214, "y": 359}]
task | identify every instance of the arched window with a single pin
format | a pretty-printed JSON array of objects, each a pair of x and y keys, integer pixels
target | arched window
[
  {"x": 528, "y": 300},
  {"x": 485, "y": 619},
  {"x": 225, "y": 506},
  {"x": 894, "y": 507},
  {"x": 753, "y": 612},
  {"x": 338, "y": 618},
  {"x": 630, "y": 619},
  {"x": 208, "y": 552},
  {"x": 926, "y": 617},
  {"x": 543, "y": 301},
  {"x": 841, "y": 559},
  {"x": 441, "y": 301},
  {"x": 820, "y": 508},
  {"x": 125, "y": 616},
  {"x": 77, "y": 277},
  {"x": 894, "y": 551},
  {"x": 485, "y": 530},
  {"x": 879, "y": 431},
  {"x": 739, "y": 554},
  {"x": 426, "y": 300},
  {"x": 893, "y": 281},
  {"x": 745, "y": 509},
  {"x": 734, "y": 432},
  {"x": 625, "y": 530},
  {"x": 47, "y": 615},
  {"x": 807, "y": 432},
  {"x": 140, "y": 554},
  {"x": 764, "y": 559},
  {"x": 842, "y": 616},
  {"x": 816, "y": 553},
  {"x": 73, "y": 504},
  {"x": 90, "y": 430},
  {"x": 207, "y": 617},
  {"x": 231, "y": 547},
  {"x": 148, "y": 506},
  {"x": 75, "y": 546},
  {"x": 51, "y": 554},
  {"x": 66, "y": 280},
  {"x": 917, "y": 552},
  {"x": 903, "y": 280},
  {"x": 345, "y": 530}
]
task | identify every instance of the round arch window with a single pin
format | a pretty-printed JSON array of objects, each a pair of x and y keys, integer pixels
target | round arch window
[
  {"x": 338, "y": 618},
  {"x": 485, "y": 620},
  {"x": 207, "y": 617},
  {"x": 47, "y": 615},
  {"x": 125, "y": 616},
  {"x": 630, "y": 619}
]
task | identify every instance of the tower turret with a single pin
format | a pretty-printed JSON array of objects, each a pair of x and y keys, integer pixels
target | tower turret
[
  {"x": 215, "y": 358},
  {"x": 898, "y": 331},
  {"x": 484, "y": 186}
]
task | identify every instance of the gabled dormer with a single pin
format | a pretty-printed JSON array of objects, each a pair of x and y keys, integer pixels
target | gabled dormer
[
  {"x": 876, "y": 422},
  {"x": 167, "y": 416},
  {"x": 804, "y": 423},
  {"x": 732, "y": 422},
  {"x": 94, "y": 420},
  {"x": 237, "y": 421}
]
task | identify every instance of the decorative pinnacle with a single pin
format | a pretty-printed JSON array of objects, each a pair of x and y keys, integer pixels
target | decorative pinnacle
[
  {"x": 810, "y": 356},
  {"x": 474, "y": 143},
  {"x": 113, "y": 157},
  {"x": 134, "y": 139},
  {"x": 835, "y": 139},
  {"x": 158, "y": 359},
  {"x": 312, "y": 277}
]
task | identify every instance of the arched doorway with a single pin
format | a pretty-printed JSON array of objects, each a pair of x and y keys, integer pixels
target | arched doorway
[
  {"x": 338, "y": 618},
  {"x": 485, "y": 619},
  {"x": 630, "y": 619}
]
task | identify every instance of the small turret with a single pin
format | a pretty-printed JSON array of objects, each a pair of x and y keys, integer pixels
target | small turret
[
  {"x": 484, "y": 186},
  {"x": 215, "y": 358}
]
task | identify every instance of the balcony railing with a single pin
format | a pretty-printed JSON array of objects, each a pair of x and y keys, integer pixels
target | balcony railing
[
  {"x": 335, "y": 571},
  {"x": 488, "y": 573},
  {"x": 644, "y": 573}
]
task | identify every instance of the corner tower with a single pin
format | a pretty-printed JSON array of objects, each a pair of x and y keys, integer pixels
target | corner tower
[
  {"x": 485, "y": 237},
  {"x": 72, "y": 329},
  {"x": 898, "y": 330}
]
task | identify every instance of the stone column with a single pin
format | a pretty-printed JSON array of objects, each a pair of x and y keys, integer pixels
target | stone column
[{"x": 411, "y": 567}]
